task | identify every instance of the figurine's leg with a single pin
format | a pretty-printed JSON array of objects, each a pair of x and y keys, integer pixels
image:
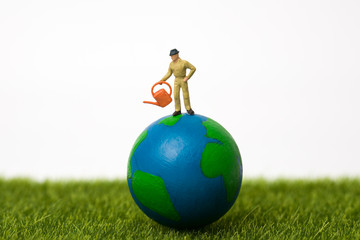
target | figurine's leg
[
  {"x": 177, "y": 96},
  {"x": 186, "y": 95}
]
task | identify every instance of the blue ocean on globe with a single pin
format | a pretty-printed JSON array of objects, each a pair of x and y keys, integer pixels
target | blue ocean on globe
[{"x": 185, "y": 171}]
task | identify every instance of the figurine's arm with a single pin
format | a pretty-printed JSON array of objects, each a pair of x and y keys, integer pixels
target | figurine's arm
[
  {"x": 168, "y": 74},
  {"x": 192, "y": 70}
]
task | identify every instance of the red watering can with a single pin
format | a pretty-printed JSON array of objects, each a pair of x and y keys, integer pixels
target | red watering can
[{"x": 162, "y": 97}]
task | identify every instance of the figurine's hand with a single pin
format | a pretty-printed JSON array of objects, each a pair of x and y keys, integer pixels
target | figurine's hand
[{"x": 186, "y": 79}]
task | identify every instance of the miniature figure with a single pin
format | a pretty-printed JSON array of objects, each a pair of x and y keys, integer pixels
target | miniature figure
[{"x": 178, "y": 68}]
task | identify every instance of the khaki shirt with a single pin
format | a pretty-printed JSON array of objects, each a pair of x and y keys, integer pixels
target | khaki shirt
[{"x": 179, "y": 69}]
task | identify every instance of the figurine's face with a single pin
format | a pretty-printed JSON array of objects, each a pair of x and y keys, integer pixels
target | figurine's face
[{"x": 174, "y": 57}]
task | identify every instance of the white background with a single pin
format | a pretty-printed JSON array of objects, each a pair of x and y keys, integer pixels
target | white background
[{"x": 281, "y": 76}]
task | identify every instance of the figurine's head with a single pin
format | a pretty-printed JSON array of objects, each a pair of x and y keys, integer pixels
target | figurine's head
[
  {"x": 174, "y": 54},
  {"x": 175, "y": 57}
]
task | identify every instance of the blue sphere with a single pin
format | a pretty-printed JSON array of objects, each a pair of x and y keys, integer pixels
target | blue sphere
[{"x": 185, "y": 171}]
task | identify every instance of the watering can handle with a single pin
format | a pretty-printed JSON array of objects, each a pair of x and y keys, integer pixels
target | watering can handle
[{"x": 160, "y": 82}]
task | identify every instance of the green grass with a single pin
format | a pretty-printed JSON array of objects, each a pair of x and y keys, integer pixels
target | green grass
[{"x": 281, "y": 209}]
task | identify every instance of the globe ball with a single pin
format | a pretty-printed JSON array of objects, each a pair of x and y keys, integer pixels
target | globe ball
[{"x": 185, "y": 171}]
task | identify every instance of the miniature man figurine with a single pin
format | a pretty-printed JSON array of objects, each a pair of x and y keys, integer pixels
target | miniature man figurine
[{"x": 178, "y": 68}]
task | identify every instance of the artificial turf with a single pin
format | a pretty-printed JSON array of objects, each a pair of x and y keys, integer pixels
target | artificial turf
[{"x": 279, "y": 209}]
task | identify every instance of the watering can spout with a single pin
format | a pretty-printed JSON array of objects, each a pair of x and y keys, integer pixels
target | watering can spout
[
  {"x": 162, "y": 97},
  {"x": 155, "y": 103}
]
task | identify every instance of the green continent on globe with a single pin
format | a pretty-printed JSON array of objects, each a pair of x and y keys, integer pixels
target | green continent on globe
[
  {"x": 136, "y": 144},
  {"x": 150, "y": 190},
  {"x": 170, "y": 121},
  {"x": 221, "y": 159}
]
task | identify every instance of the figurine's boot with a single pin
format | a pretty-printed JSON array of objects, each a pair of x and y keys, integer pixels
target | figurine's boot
[
  {"x": 191, "y": 112},
  {"x": 176, "y": 113}
]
